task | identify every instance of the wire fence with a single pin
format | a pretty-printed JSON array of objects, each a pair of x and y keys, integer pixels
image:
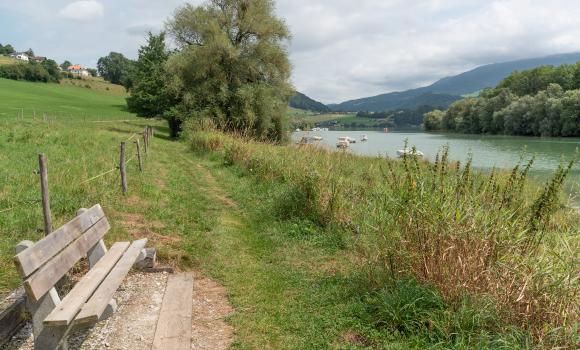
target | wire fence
[{"x": 147, "y": 136}]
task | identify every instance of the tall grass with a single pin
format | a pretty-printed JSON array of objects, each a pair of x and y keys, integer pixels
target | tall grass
[{"x": 489, "y": 237}]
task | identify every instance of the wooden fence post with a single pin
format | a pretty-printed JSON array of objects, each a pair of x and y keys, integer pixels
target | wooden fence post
[
  {"x": 145, "y": 142},
  {"x": 45, "y": 196},
  {"x": 122, "y": 169},
  {"x": 139, "y": 155}
]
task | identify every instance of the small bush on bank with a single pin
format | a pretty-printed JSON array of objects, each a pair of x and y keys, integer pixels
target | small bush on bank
[{"x": 491, "y": 236}]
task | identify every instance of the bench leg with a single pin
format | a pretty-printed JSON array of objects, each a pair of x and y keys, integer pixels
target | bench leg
[
  {"x": 96, "y": 253},
  {"x": 46, "y": 338},
  {"x": 109, "y": 310}
]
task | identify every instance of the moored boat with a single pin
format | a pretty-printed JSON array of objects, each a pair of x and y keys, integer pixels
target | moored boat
[{"x": 409, "y": 152}]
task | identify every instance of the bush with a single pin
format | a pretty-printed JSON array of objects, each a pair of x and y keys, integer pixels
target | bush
[{"x": 26, "y": 71}]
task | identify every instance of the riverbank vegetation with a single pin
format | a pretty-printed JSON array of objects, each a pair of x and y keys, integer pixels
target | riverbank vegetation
[
  {"x": 539, "y": 102},
  {"x": 443, "y": 254}
]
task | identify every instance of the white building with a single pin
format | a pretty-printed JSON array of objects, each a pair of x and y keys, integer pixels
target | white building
[
  {"x": 78, "y": 70},
  {"x": 21, "y": 56}
]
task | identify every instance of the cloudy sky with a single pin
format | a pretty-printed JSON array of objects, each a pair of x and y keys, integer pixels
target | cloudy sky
[{"x": 341, "y": 49}]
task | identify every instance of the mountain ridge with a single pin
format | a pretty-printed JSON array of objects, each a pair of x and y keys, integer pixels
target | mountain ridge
[{"x": 449, "y": 89}]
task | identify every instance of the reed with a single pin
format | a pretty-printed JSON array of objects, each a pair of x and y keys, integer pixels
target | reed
[{"x": 465, "y": 234}]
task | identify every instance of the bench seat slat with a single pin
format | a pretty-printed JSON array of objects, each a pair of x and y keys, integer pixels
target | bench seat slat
[
  {"x": 34, "y": 257},
  {"x": 48, "y": 275},
  {"x": 91, "y": 312},
  {"x": 70, "y": 306}
]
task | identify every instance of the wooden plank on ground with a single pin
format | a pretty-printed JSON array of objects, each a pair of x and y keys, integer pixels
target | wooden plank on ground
[
  {"x": 70, "y": 306},
  {"x": 34, "y": 257},
  {"x": 12, "y": 315},
  {"x": 174, "y": 324},
  {"x": 96, "y": 305},
  {"x": 47, "y": 276}
]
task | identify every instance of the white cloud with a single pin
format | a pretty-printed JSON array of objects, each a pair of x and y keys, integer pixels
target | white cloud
[
  {"x": 341, "y": 49},
  {"x": 82, "y": 10}
]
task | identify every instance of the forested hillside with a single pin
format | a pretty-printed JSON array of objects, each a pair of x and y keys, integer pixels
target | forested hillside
[
  {"x": 410, "y": 99},
  {"x": 544, "y": 101},
  {"x": 301, "y": 101}
]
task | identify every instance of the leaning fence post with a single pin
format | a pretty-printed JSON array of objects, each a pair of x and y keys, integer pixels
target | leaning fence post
[
  {"x": 122, "y": 169},
  {"x": 45, "y": 197},
  {"x": 139, "y": 155}
]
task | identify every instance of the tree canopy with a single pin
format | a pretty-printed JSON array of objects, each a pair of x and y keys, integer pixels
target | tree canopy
[
  {"x": 6, "y": 49},
  {"x": 65, "y": 65},
  {"x": 116, "y": 69},
  {"x": 231, "y": 66},
  {"x": 149, "y": 97},
  {"x": 544, "y": 101}
]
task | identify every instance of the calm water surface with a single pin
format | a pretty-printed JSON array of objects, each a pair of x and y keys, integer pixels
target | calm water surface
[{"x": 487, "y": 151}]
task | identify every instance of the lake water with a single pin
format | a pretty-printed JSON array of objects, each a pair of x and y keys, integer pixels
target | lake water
[{"x": 487, "y": 151}]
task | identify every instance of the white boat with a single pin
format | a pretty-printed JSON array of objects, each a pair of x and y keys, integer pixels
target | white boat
[
  {"x": 364, "y": 138},
  {"x": 409, "y": 152},
  {"x": 343, "y": 142},
  {"x": 305, "y": 140}
]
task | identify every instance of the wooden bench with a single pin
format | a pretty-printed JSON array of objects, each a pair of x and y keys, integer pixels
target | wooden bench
[{"x": 44, "y": 263}]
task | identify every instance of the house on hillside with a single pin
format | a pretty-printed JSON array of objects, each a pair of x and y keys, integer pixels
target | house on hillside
[
  {"x": 78, "y": 70},
  {"x": 21, "y": 56},
  {"x": 38, "y": 59}
]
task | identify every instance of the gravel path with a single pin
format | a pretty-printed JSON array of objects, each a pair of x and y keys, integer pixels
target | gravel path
[{"x": 132, "y": 327}]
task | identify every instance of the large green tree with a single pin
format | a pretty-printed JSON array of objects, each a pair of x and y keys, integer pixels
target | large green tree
[
  {"x": 149, "y": 97},
  {"x": 65, "y": 65},
  {"x": 232, "y": 66},
  {"x": 6, "y": 49},
  {"x": 116, "y": 68}
]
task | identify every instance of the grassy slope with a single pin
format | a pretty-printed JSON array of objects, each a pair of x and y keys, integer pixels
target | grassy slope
[
  {"x": 213, "y": 220},
  {"x": 97, "y": 84},
  {"x": 301, "y": 117},
  {"x": 59, "y": 101},
  {"x": 293, "y": 285},
  {"x": 7, "y": 60}
]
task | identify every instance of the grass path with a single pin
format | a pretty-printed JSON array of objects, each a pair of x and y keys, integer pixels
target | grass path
[{"x": 287, "y": 287}]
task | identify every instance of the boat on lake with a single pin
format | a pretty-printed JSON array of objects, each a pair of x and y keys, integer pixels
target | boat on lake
[
  {"x": 364, "y": 138},
  {"x": 344, "y": 142},
  {"x": 307, "y": 140},
  {"x": 409, "y": 152}
]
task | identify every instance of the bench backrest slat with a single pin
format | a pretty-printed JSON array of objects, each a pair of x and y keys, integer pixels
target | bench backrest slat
[
  {"x": 34, "y": 257},
  {"x": 50, "y": 273}
]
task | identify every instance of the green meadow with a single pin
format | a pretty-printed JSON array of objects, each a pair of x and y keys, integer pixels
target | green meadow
[
  {"x": 317, "y": 249},
  {"x": 59, "y": 101}
]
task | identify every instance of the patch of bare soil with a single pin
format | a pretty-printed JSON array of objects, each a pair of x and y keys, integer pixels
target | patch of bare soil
[
  {"x": 138, "y": 227},
  {"x": 210, "y": 308},
  {"x": 353, "y": 338}
]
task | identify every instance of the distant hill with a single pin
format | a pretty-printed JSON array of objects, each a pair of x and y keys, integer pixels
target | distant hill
[
  {"x": 447, "y": 90},
  {"x": 301, "y": 101},
  {"x": 410, "y": 99}
]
